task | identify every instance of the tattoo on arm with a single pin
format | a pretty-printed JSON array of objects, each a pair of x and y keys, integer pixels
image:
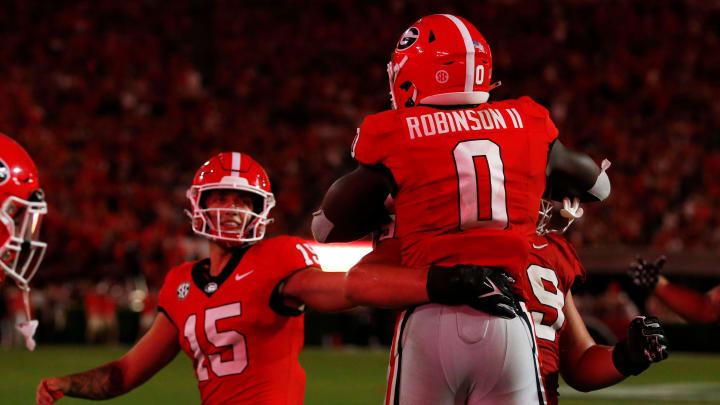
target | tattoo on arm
[{"x": 102, "y": 382}]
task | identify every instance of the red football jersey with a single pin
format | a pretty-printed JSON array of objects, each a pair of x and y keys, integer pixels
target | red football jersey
[
  {"x": 243, "y": 350},
  {"x": 466, "y": 177},
  {"x": 553, "y": 267}
]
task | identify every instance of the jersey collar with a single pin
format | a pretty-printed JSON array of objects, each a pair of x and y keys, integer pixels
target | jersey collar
[{"x": 209, "y": 284}]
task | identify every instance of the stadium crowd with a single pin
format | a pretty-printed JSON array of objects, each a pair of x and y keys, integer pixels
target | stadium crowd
[{"x": 118, "y": 102}]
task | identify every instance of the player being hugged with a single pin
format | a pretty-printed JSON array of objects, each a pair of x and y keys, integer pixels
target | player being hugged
[
  {"x": 466, "y": 176},
  {"x": 238, "y": 314}
]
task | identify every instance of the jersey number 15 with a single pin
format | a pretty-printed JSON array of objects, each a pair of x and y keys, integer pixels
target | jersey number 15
[{"x": 221, "y": 368}]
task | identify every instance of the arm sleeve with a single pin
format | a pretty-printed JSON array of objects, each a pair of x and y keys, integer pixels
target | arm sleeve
[
  {"x": 292, "y": 254},
  {"x": 165, "y": 296},
  {"x": 368, "y": 146},
  {"x": 577, "y": 270},
  {"x": 536, "y": 110}
]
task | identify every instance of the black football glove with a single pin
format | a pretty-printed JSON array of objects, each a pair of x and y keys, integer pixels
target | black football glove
[
  {"x": 645, "y": 275},
  {"x": 645, "y": 344},
  {"x": 484, "y": 288}
]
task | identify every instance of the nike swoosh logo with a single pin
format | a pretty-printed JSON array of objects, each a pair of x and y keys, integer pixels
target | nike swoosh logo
[
  {"x": 539, "y": 247},
  {"x": 239, "y": 277},
  {"x": 495, "y": 290}
]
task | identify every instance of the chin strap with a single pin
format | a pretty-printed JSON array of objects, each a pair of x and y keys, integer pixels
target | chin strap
[
  {"x": 495, "y": 85},
  {"x": 28, "y": 327}
]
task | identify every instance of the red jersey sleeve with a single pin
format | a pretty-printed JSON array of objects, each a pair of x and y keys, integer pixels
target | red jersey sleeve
[
  {"x": 532, "y": 108},
  {"x": 164, "y": 296},
  {"x": 172, "y": 289},
  {"x": 570, "y": 257},
  {"x": 289, "y": 254},
  {"x": 370, "y": 144}
]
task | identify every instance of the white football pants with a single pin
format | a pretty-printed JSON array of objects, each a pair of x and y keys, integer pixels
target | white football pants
[{"x": 444, "y": 355}]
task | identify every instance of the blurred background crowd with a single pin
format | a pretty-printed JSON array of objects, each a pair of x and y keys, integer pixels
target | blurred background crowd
[{"x": 120, "y": 102}]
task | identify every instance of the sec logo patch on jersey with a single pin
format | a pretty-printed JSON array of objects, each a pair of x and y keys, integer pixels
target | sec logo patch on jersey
[{"x": 183, "y": 290}]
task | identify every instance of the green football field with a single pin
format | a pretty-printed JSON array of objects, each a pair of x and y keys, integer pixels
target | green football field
[{"x": 345, "y": 376}]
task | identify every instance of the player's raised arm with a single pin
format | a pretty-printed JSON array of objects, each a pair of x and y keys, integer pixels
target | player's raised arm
[
  {"x": 354, "y": 205},
  {"x": 690, "y": 304},
  {"x": 155, "y": 350},
  {"x": 572, "y": 173}
]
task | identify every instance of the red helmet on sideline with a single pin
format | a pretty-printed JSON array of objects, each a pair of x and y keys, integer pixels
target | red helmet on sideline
[
  {"x": 22, "y": 208},
  {"x": 231, "y": 171},
  {"x": 441, "y": 59}
]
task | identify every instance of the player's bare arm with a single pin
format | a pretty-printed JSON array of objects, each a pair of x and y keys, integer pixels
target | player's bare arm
[
  {"x": 690, "y": 304},
  {"x": 387, "y": 286},
  {"x": 155, "y": 350},
  {"x": 324, "y": 291},
  {"x": 379, "y": 280},
  {"x": 587, "y": 366},
  {"x": 354, "y": 205},
  {"x": 572, "y": 173},
  {"x": 584, "y": 364}
]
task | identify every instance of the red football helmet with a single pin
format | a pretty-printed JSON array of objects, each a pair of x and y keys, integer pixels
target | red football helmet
[
  {"x": 441, "y": 59},
  {"x": 22, "y": 208},
  {"x": 231, "y": 171}
]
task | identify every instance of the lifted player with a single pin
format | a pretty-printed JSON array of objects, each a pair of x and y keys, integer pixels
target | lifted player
[
  {"x": 237, "y": 314},
  {"x": 466, "y": 176},
  {"x": 565, "y": 345}
]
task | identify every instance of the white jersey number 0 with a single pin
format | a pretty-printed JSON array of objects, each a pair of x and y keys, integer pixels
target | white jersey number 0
[{"x": 465, "y": 154}]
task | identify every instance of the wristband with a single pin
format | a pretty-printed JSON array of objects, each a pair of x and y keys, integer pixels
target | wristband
[{"x": 622, "y": 362}]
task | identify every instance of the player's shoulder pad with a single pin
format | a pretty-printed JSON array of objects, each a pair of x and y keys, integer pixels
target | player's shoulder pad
[
  {"x": 286, "y": 255},
  {"x": 173, "y": 278},
  {"x": 179, "y": 271},
  {"x": 373, "y": 137},
  {"x": 568, "y": 250},
  {"x": 531, "y": 107},
  {"x": 277, "y": 244}
]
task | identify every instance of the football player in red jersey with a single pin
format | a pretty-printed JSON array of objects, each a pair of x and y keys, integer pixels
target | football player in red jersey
[
  {"x": 690, "y": 304},
  {"x": 564, "y": 343},
  {"x": 22, "y": 207},
  {"x": 237, "y": 314},
  {"x": 563, "y": 339},
  {"x": 466, "y": 176}
]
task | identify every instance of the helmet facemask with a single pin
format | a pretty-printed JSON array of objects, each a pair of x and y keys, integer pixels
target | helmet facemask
[
  {"x": 547, "y": 223},
  {"x": 23, "y": 251},
  {"x": 208, "y": 222}
]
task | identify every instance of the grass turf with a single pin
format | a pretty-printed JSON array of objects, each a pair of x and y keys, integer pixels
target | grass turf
[{"x": 351, "y": 377}]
